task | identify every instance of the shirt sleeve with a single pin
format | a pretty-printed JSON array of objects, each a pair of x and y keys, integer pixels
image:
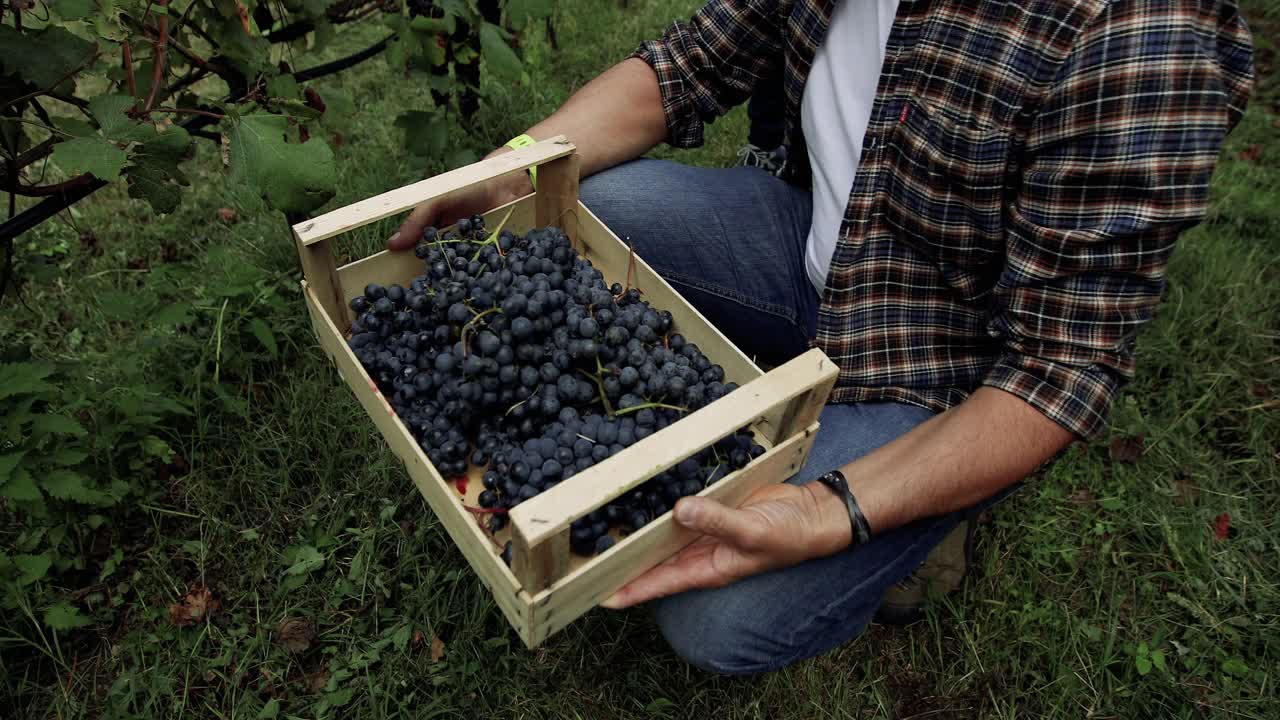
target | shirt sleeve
[
  {"x": 712, "y": 62},
  {"x": 1116, "y": 165}
]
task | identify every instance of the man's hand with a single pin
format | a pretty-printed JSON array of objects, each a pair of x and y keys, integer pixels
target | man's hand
[
  {"x": 464, "y": 203},
  {"x": 778, "y": 525}
]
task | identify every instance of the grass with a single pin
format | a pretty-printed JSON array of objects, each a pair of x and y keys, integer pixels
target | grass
[{"x": 291, "y": 509}]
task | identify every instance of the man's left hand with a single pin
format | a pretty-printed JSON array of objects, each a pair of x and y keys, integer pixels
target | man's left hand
[{"x": 777, "y": 526}]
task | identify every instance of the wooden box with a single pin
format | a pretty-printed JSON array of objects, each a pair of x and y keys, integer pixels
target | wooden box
[{"x": 546, "y": 586}]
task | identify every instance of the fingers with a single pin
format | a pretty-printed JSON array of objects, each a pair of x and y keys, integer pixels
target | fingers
[
  {"x": 690, "y": 568},
  {"x": 411, "y": 229},
  {"x": 738, "y": 528}
]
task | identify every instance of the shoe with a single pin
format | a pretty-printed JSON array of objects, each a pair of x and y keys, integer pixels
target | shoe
[
  {"x": 940, "y": 574},
  {"x": 771, "y": 161}
]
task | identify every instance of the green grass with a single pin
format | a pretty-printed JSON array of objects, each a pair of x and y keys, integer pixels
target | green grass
[{"x": 1094, "y": 561}]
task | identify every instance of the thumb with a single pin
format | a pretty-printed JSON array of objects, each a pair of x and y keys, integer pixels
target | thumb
[
  {"x": 736, "y": 527},
  {"x": 411, "y": 229}
]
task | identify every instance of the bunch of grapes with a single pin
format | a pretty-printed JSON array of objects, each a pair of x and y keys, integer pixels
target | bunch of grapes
[{"x": 512, "y": 354}]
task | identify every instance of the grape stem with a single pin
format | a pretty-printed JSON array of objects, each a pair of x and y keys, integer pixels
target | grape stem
[
  {"x": 471, "y": 323},
  {"x": 643, "y": 406},
  {"x": 604, "y": 400},
  {"x": 493, "y": 239}
]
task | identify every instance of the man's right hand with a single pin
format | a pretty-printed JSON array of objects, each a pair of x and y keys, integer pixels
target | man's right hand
[{"x": 449, "y": 208}]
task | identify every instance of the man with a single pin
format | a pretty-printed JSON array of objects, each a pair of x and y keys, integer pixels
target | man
[{"x": 984, "y": 196}]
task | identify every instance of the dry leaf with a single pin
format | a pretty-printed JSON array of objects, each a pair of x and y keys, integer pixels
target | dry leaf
[
  {"x": 1251, "y": 153},
  {"x": 227, "y": 215},
  {"x": 194, "y": 607},
  {"x": 1128, "y": 449},
  {"x": 1222, "y": 526},
  {"x": 1262, "y": 391},
  {"x": 437, "y": 649},
  {"x": 1185, "y": 492},
  {"x": 316, "y": 681},
  {"x": 418, "y": 639},
  {"x": 294, "y": 633},
  {"x": 1082, "y": 496}
]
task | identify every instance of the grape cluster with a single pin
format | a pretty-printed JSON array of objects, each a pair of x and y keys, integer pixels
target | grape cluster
[{"x": 512, "y": 354}]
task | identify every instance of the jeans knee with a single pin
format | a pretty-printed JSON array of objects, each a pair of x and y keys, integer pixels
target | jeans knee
[{"x": 706, "y": 629}]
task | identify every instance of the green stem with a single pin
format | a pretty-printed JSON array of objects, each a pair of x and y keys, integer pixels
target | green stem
[
  {"x": 604, "y": 400},
  {"x": 493, "y": 238},
  {"x": 643, "y": 406}
]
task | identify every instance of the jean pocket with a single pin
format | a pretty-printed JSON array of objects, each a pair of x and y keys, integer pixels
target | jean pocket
[{"x": 945, "y": 194}]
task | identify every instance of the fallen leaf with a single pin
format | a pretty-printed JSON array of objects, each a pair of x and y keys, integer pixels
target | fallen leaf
[
  {"x": 1222, "y": 526},
  {"x": 1251, "y": 153},
  {"x": 227, "y": 215},
  {"x": 194, "y": 607},
  {"x": 1128, "y": 449},
  {"x": 1185, "y": 492},
  {"x": 1082, "y": 496},
  {"x": 1259, "y": 390},
  {"x": 138, "y": 263},
  {"x": 317, "y": 680},
  {"x": 437, "y": 649},
  {"x": 418, "y": 639},
  {"x": 294, "y": 633}
]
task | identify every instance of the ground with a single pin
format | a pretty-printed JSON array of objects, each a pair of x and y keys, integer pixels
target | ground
[{"x": 1135, "y": 577}]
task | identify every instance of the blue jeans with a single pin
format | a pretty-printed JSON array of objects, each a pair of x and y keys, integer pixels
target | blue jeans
[{"x": 732, "y": 242}]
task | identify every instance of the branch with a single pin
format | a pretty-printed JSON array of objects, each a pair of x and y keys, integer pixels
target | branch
[
  {"x": 162, "y": 48},
  {"x": 128, "y": 68},
  {"x": 56, "y": 189},
  {"x": 190, "y": 111}
]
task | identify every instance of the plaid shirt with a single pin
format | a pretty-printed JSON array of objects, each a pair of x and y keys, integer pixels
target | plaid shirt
[{"x": 1026, "y": 170}]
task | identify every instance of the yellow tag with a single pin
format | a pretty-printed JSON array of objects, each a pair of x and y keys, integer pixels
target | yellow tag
[{"x": 518, "y": 142}]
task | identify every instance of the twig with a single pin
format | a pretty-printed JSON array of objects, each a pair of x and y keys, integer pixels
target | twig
[
  {"x": 128, "y": 68},
  {"x": 161, "y": 51},
  {"x": 190, "y": 111}
]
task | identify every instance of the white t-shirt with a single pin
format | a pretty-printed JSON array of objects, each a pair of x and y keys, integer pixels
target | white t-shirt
[{"x": 834, "y": 113}]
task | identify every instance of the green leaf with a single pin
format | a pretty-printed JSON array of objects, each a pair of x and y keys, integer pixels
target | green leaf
[
  {"x": 172, "y": 315},
  {"x": 65, "y": 617},
  {"x": 521, "y": 12},
  {"x": 73, "y": 9},
  {"x": 44, "y": 58},
  {"x": 497, "y": 54},
  {"x": 1157, "y": 659},
  {"x": 153, "y": 172},
  {"x": 283, "y": 86},
  {"x": 270, "y": 711},
  {"x": 67, "y": 457},
  {"x": 290, "y": 177},
  {"x": 9, "y": 463},
  {"x": 155, "y": 447},
  {"x": 339, "y": 109},
  {"x": 324, "y": 35},
  {"x": 23, "y": 379},
  {"x": 111, "y": 112},
  {"x": 428, "y": 25},
  {"x": 338, "y": 698},
  {"x": 67, "y": 485},
  {"x": 265, "y": 336},
  {"x": 314, "y": 8},
  {"x": 57, "y": 425},
  {"x": 1232, "y": 666},
  {"x": 22, "y": 487},
  {"x": 1144, "y": 664},
  {"x": 425, "y": 133},
  {"x": 306, "y": 559},
  {"x": 75, "y": 127},
  {"x": 92, "y": 155},
  {"x": 33, "y": 567}
]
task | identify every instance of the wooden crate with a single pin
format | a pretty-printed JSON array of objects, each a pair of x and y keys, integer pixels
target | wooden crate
[{"x": 546, "y": 586}]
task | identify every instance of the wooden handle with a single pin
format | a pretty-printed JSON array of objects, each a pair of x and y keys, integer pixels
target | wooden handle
[
  {"x": 396, "y": 201},
  {"x": 540, "y": 525}
]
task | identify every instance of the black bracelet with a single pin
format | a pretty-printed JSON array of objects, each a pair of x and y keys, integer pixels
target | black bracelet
[{"x": 857, "y": 521}]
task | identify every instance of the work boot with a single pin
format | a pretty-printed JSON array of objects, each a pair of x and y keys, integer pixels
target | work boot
[{"x": 940, "y": 574}]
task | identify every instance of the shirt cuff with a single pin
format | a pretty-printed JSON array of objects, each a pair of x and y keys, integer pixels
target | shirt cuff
[
  {"x": 684, "y": 125},
  {"x": 1076, "y": 398}
]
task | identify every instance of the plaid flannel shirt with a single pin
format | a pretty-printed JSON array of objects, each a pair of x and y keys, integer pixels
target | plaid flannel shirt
[{"x": 1026, "y": 170}]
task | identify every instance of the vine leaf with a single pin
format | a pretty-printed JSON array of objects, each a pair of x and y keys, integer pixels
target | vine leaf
[
  {"x": 23, "y": 379},
  {"x": 68, "y": 485},
  {"x": 43, "y": 58},
  {"x": 73, "y": 9},
  {"x": 425, "y": 134},
  {"x": 92, "y": 155},
  {"x": 289, "y": 176},
  {"x": 521, "y": 12},
  {"x": 111, "y": 112},
  {"x": 153, "y": 171},
  {"x": 499, "y": 56}
]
